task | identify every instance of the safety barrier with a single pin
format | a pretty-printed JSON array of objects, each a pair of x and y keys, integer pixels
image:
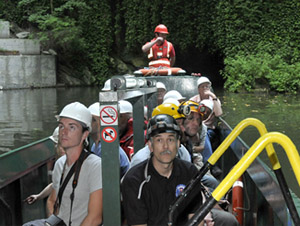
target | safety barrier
[
  {"x": 218, "y": 153},
  {"x": 264, "y": 142},
  {"x": 24, "y": 171}
]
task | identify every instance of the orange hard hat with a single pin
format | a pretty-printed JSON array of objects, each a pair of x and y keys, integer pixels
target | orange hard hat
[{"x": 161, "y": 29}]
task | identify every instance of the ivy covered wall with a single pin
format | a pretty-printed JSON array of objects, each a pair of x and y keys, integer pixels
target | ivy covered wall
[{"x": 258, "y": 41}]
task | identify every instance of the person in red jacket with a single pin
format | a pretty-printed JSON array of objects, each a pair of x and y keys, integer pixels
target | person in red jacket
[
  {"x": 161, "y": 53},
  {"x": 126, "y": 127}
]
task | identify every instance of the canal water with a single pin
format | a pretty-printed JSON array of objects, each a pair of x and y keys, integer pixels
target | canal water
[{"x": 29, "y": 115}]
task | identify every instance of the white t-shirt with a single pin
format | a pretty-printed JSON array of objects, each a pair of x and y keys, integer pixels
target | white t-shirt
[{"x": 90, "y": 180}]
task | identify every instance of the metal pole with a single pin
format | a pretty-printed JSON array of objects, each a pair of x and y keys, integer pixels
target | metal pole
[{"x": 110, "y": 158}]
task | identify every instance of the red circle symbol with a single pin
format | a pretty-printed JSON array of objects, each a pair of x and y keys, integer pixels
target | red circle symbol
[
  {"x": 109, "y": 134},
  {"x": 108, "y": 115}
]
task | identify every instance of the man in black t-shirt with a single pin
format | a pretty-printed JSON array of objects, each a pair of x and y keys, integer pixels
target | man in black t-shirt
[{"x": 149, "y": 188}]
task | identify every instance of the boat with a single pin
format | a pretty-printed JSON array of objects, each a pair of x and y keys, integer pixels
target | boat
[
  {"x": 160, "y": 71},
  {"x": 25, "y": 170}
]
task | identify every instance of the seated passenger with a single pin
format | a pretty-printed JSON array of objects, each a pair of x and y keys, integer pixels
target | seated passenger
[
  {"x": 144, "y": 153},
  {"x": 175, "y": 95},
  {"x": 85, "y": 207},
  {"x": 126, "y": 127},
  {"x": 204, "y": 92},
  {"x": 95, "y": 134},
  {"x": 161, "y": 91},
  {"x": 171, "y": 101},
  {"x": 209, "y": 106},
  {"x": 197, "y": 143},
  {"x": 196, "y": 131},
  {"x": 149, "y": 188}
]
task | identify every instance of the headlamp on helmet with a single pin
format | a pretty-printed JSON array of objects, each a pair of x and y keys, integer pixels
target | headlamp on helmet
[
  {"x": 194, "y": 107},
  {"x": 168, "y": 109},
  {"x": 184, "y": 109},
  {"x": 162, "y": 124}
]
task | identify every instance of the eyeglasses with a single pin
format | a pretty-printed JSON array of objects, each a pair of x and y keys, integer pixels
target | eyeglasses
[
  {"x": 201, "y": 109},
  {"x": 205, "y": 86}
]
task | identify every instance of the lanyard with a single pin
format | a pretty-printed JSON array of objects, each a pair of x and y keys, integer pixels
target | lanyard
[{"x": 75, "y": 168}]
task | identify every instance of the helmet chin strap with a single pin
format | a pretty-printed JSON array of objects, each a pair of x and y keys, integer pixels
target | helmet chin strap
[{"x": 147, "y": 179}]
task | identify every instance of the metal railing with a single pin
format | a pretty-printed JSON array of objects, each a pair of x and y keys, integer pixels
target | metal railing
[{"x": 242, "y": 165}]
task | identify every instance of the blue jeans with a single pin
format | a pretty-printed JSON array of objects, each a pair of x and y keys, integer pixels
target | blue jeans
[
  {"x": 210, "y": 182},
  {"x": 207, "y": 152}
]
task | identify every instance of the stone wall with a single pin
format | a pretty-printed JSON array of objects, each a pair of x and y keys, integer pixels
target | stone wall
[
  {"x": 21, "y": 63},
  {"x": 27, "y": 71}
]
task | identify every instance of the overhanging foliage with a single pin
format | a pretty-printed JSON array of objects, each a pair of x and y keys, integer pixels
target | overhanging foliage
[{"x": 258, "y": 40}]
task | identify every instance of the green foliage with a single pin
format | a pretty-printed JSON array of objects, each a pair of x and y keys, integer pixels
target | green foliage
[
  {"x": 58, "y": 24},
  {"x": 98, "y": 37},
  {"x": 9, "y": 12},
  {"x": 188, "y": 22},
  {"x": 242, "y": 72},
  {"x": 258, "y": 40}
]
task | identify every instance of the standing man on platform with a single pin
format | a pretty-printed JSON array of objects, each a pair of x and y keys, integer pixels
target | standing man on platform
[{"x": 161, "y": 53}]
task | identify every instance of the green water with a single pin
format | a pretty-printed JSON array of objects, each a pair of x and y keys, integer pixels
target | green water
[{"x": 279, "y": 113}]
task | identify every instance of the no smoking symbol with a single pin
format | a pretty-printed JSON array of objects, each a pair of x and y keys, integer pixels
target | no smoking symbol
[
  {"x": 109, "y": 115},
  {"x": 109, "y": 134}
]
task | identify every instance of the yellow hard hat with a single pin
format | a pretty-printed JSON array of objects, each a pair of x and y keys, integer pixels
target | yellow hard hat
[
  {"x": 168, "y": 109},
  {"x": 194, "y": 106}
]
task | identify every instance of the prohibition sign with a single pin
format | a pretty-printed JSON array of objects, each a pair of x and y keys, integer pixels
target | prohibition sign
[
  {"x": 109, "y": 134},
  {"x": 108, "y": 115}
]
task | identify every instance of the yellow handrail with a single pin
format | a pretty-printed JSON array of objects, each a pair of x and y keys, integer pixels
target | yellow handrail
[
  {"x": 252, "y": 153},
  {"x": 236, "y": 132}
]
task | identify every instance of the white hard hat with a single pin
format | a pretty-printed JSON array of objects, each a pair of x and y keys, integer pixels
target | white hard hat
[
  {"x": 160, "y": 85},
  {"x": 208, "y": 103},
  {"x": 106, "y": 85},
  {"x": 202, "y": 80},
  {"x": 171, "y": 101},
  {"x": 79, "y": 112},
  {"x": 54, "y": 136},
  {"x": 174, "y": 94},
  {"x": 95, "y": 109},
  {"x": 125, "y": 106}
]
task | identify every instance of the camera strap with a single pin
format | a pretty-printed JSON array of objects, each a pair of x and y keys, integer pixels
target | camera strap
[{"x": 75, "y": 168}]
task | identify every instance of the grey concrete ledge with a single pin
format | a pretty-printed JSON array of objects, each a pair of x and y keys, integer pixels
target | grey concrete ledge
[
  {"x": 23, "y": 46},
  {"x": 27, "y": 71}
]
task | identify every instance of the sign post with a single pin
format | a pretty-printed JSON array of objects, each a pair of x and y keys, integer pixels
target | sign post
[{"x": 110, "y": 157}]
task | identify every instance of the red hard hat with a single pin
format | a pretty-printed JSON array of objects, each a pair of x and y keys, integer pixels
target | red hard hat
[{"x": 161, "y": 29}]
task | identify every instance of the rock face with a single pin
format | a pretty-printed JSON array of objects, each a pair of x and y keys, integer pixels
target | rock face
[
  {"x": 128, "y": 64},
  {"x": 21, "y": 63},
  {"x": 65, "y": 76}
]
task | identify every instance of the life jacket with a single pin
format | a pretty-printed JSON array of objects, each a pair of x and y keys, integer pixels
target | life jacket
[{"x": 159, "y": 55}]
